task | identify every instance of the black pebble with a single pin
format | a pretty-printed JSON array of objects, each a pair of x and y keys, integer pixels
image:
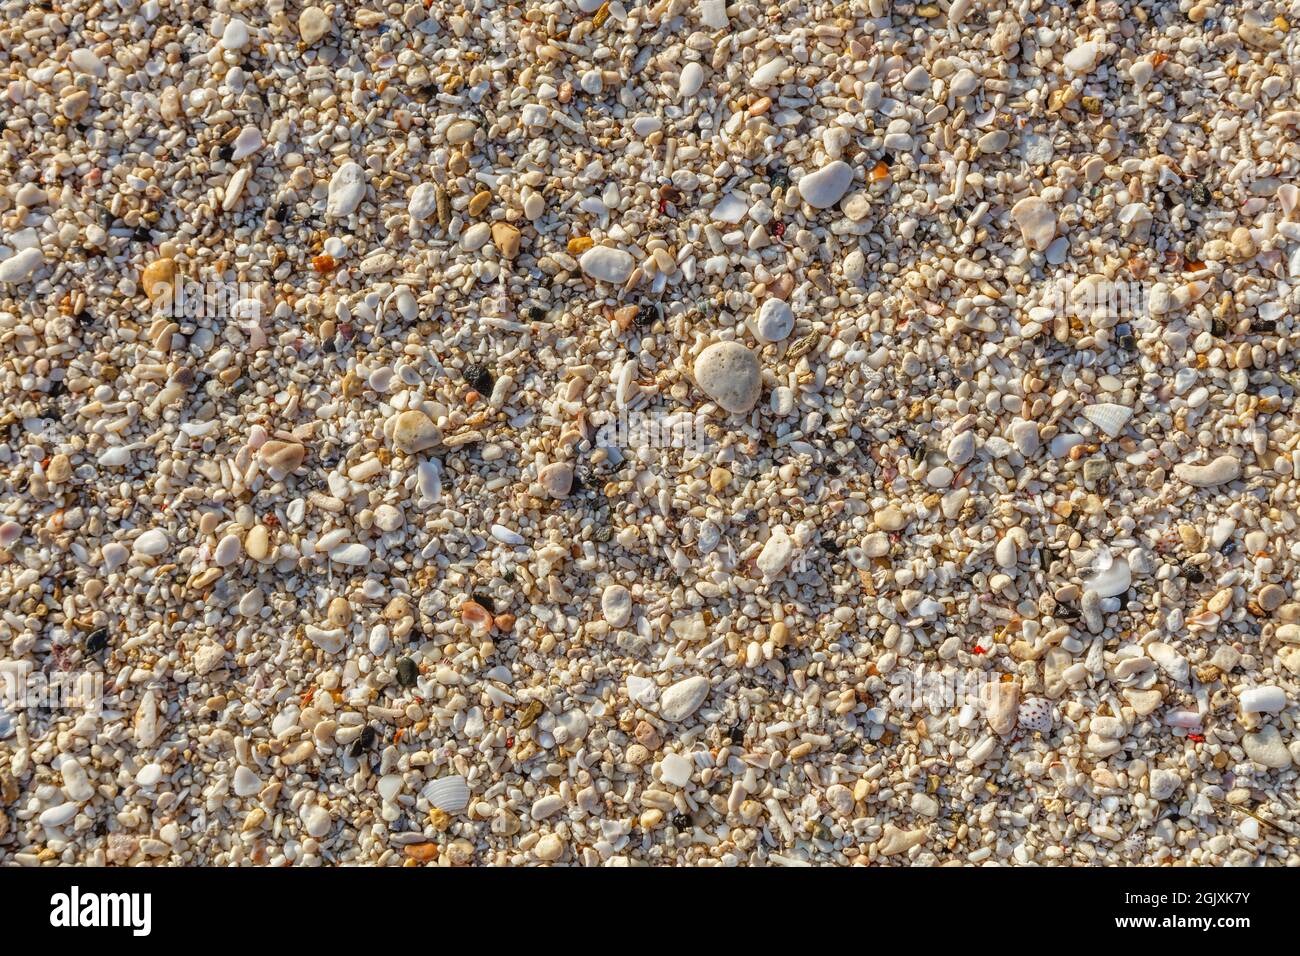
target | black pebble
[
  {"x": 407, "y": 672},
  {"x": 681, "y": 821},
  {"x": 225, "y": 153},
  {"x": 1193, "y": 574},
  {"x": 364, "y": 742},
  {"x": 1228, "y": 548},
  {"x": 485, "y": 600},
  {"x": 536, "y": 313},
  {"x": 97, "y": 640},
  {"x": 478, "y": 378}
]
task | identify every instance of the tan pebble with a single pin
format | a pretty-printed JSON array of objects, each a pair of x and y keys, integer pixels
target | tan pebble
[
  {"x": 506, "y": 238},
  {"x": 258, "y": 542},
  {"x": 158, "y": 278},
  {"x": 1271, "y": 597},
  {"x": 339, "y": 613},
  {"x": 59, "y": 470}
]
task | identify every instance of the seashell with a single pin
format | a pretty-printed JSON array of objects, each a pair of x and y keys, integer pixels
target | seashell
[
  {"x": 1110, "y": 578},
  {"x": 1109, "y": 417},
  {"x": 1035, "y": 714},
  {"x": 476, "y": 617},
  {"x": 448, "y": 794}
]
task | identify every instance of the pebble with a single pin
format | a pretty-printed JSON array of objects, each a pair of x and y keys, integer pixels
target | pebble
[
  {"x": 1220, "y": 471},
  {"x": 607, "y": 264},
  {"x": 825, "y": 187},
  {"x": 729, "y": 374},
  {"x": 22, "y": 265},
  {"x": 313, "y": 24},
  {"x": 152, "y": 543},
  {"x": 414, "y": 431},
  {"x": 423, "y": 202},
  {"x": 1266, "y": 746},
  {"x": 774, "y": 322},
  {"x": 616, "y": 605},
  {"x": 557, "y": 479},
  {"x": 235, "y": 36},
  {"x": 347, "y": 187},
  {"x": 683, "y": 698},
  {"x": 1162, "y": 784},
  {"x": 1037, "y": 222}
]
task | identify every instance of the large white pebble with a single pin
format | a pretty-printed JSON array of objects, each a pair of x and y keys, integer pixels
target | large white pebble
[{"x": 826, "y": 186}]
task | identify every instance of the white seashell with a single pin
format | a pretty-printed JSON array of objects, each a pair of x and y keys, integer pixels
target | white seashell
[
  {"x": 246, "y": 143},
  {"x": 1111, "y": 580},
  {"x": 1109, "y": 417},
  {"x": 731, "y": 209},
  {"x": 449, "y": 794}
]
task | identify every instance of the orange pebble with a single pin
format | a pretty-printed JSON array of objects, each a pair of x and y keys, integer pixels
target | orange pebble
[{"x": 422, "y": 852}]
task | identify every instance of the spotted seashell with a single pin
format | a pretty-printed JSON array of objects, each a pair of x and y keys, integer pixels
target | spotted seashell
[{"x": 1035, "y": 714}]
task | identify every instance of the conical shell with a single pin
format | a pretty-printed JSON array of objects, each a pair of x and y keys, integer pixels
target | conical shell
[{"x": 449, "y": 794}]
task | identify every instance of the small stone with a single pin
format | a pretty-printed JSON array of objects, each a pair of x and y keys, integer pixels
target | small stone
[
  {"x": 607, "y": 264},
  {"x": 152, "y": 543},
  {"x": 691, "y": 80},
  {"x": 961, "y": 449},
  {"x": 1000, "y": 701},
  {"x": 158, "y": 278},
  {"x": 21, "y": 265},
  {"x": 347, "y": 188},
  {"x": 506, "y": 238},
  {"x": 775, "y": 321},
  {"x": 59, "y": 469},
  {"x": 616, "y": 605},
  {"x": 235, "y": 36},
  {"x": 1221, "y": 470},
  {"x": 1037, "y": 222},
  {"x": 414, "y": 431},
  {"x": 1267, "y": 747},
  {"x": 1083, "y": 58},
  {"x": 682, "y": 699},
  {"x": 316, "y": 821},
  {"x": 549, "y": 848},
  {"x": 825, "y": 187},
  {"x": 1095, "y": 469},
  {"x": 1161, "y": 784},
  {"x": 1271, "y": 597},
  {"x": 890, "y": 518},
  {"x": 312, "y": 24},
  {"x": 282, "y": 457},
  {"x": 257, "y": 543},
  {"x": 556, "y": 479},
  {"x": 729, "y": 374},
  {"x": 423, "y": 202},
  {"x": 776, "y": 553},
  {"x": 675, "y": 770},
  {"x": 207, "y": 657}
]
